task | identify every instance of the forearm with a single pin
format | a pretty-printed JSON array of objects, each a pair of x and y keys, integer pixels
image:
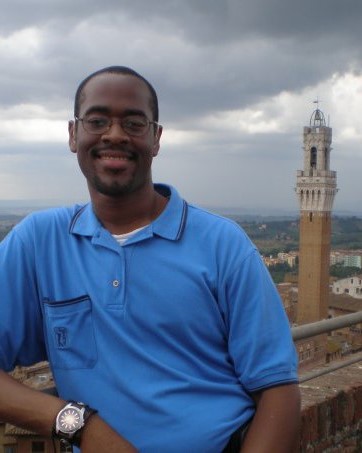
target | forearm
[
  {"x": 26, "y": 407},
  {"x": 36, "y": 411},
  {"x": 275, "y": 426}
]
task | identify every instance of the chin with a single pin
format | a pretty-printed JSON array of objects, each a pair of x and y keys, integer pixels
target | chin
[{"x": 115, "y": 189}]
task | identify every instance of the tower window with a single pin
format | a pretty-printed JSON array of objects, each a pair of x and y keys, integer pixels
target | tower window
[
  {"x": 313, "y": 157},
  {"x": 310, "y": 216}
]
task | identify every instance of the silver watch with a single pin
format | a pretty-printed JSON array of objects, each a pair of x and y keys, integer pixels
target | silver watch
[{"x": 70, "y": 420}]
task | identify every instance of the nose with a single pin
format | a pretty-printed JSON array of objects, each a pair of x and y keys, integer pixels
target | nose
[{"x": 115, "y": 133}]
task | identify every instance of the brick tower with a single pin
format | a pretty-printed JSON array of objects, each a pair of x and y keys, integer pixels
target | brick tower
[{"x": 316, "y": 189}]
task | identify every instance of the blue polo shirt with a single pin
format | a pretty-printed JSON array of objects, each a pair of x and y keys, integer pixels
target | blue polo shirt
[{"x": 166, "y": 336}]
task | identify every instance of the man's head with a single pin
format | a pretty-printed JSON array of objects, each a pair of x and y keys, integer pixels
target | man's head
[
  {"x": 116, "y": 159},
  {"x": 116, "y": 70}
]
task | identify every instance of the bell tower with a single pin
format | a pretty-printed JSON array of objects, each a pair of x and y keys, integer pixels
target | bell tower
[{"x": 316, "y": 188}]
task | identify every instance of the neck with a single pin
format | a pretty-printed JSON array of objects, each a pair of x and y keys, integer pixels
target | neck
[{"x": 125, "y": 213}]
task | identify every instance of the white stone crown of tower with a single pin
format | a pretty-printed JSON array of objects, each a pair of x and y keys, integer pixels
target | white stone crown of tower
[{"x": 316, "y": 183}]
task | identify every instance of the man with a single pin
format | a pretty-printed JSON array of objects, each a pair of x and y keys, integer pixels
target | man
[{"x": 151, "y": 311}]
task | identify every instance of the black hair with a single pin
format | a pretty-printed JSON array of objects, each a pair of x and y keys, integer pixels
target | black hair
[{"x": 117, "y": 70}]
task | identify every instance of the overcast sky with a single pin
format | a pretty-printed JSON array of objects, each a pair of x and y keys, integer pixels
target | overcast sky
[{"x": 236, "y": 81}]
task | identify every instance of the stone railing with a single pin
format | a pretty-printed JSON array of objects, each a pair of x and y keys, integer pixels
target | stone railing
[{"x": 331, "y": 397}]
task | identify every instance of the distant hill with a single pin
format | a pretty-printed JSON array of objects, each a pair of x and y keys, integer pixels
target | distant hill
[
  {"x": 274, "y": 235},
  {"x": 268, "y": 214}
]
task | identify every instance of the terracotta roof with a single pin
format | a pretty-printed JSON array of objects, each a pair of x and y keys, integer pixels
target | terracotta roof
[
  {"x": 345, "y": 302},
  {"x": 12, "y": 430},
  {"x": 37, "y": 376}
]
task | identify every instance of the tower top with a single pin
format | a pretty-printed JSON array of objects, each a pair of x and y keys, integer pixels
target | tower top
[
  {"x": 316, "y": 183},
  {"x": 317, "y": 119}
]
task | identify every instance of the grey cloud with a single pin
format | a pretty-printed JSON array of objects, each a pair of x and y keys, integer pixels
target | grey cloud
[
  {"x": 203, "y": 57},
  {"x": 200, "y": 55}
]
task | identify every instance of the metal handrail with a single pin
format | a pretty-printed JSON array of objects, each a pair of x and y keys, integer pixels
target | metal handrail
[
  {"x": 324, "y": 326},
  {"x": 328, "y": 369}
]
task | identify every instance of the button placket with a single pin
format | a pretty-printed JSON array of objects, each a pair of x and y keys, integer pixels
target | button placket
[{"x": 116, "y": 283}]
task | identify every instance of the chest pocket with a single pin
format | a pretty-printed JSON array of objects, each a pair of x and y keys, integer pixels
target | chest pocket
[{"x": 70, "y": 333}]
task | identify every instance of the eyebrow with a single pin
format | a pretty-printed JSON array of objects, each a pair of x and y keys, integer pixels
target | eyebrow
[
  {"x": 107, "y": 111},
  {"x": 97, "y": 108}
]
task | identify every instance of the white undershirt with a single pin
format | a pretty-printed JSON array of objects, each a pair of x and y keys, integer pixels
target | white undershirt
[{"x": 122, "y": 238}]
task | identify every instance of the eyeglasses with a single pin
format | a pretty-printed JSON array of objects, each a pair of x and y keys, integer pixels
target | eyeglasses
[{"x": 133, "y": 125}]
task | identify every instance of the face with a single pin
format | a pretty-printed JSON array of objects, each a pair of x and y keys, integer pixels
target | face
[{"x": 114, "y": 163}]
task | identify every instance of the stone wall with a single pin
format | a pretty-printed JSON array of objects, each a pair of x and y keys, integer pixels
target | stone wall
[{"x": 332, "y": 412}]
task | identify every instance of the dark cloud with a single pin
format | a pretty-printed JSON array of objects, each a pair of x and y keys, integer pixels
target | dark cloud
[
  {"x": 206, "y": 54},
  {"x": 204, "y": 57}
]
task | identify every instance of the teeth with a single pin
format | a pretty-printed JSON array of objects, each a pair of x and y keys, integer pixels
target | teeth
[{"x": 114, "y": 158}]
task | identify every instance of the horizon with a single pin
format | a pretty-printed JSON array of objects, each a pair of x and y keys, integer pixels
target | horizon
[{"x": 25, "y": 206}]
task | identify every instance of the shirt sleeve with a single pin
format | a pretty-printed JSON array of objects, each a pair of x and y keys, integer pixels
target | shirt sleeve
[
  {"x": 260, "y": 342},
  {"x": 21, "y": 327}
]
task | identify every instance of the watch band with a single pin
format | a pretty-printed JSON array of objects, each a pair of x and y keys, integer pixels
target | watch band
[{"x": 80, "y": 413}]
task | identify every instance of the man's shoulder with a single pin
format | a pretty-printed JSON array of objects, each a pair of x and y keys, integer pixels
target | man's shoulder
[
  {"x": 215, "y": 220},
  {"x": 213, "y": 227},
  {"x": 183, "y": 213}
]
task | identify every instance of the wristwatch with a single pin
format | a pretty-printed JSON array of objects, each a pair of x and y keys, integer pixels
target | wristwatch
[{"x": 70, "y": 421}]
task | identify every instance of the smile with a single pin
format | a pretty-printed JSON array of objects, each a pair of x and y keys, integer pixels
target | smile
[{"x": 115, "y": 157}]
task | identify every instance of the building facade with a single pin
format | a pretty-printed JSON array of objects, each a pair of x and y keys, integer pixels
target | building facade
[
  {"x": 351, "y": 286},
  {"x": 347, "y": 258}
]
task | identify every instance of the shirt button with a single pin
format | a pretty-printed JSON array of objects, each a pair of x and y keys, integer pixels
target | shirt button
[{"x": 115, "y": 283}]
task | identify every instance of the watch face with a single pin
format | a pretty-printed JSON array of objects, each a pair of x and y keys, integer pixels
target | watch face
[{"x": 70, "y": 420}]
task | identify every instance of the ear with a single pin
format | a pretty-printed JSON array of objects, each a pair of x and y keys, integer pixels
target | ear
[
  {"x": 72, "y": 136},
  {"x": 156, "y": 145}
]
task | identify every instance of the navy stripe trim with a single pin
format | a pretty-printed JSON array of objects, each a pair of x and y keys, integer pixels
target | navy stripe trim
[
  {"x": 75, "y": 218},
  {"x": 183, "y": 220},
  {"x": 274, "y": 384},
  {"x": 62, "y": 303}
]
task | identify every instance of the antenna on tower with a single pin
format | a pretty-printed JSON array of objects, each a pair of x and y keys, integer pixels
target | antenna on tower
[{"x": 317, "y": 101}]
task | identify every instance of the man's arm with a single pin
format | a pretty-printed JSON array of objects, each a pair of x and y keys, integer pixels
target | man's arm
[
  {"x": 34, "y": 410},
  {"x": 275, "y": 426}
]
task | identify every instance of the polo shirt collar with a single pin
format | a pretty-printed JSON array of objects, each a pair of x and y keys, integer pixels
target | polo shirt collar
[
  {"x": 171, "y": 222},
  {"x": 169, "y": 225}
]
